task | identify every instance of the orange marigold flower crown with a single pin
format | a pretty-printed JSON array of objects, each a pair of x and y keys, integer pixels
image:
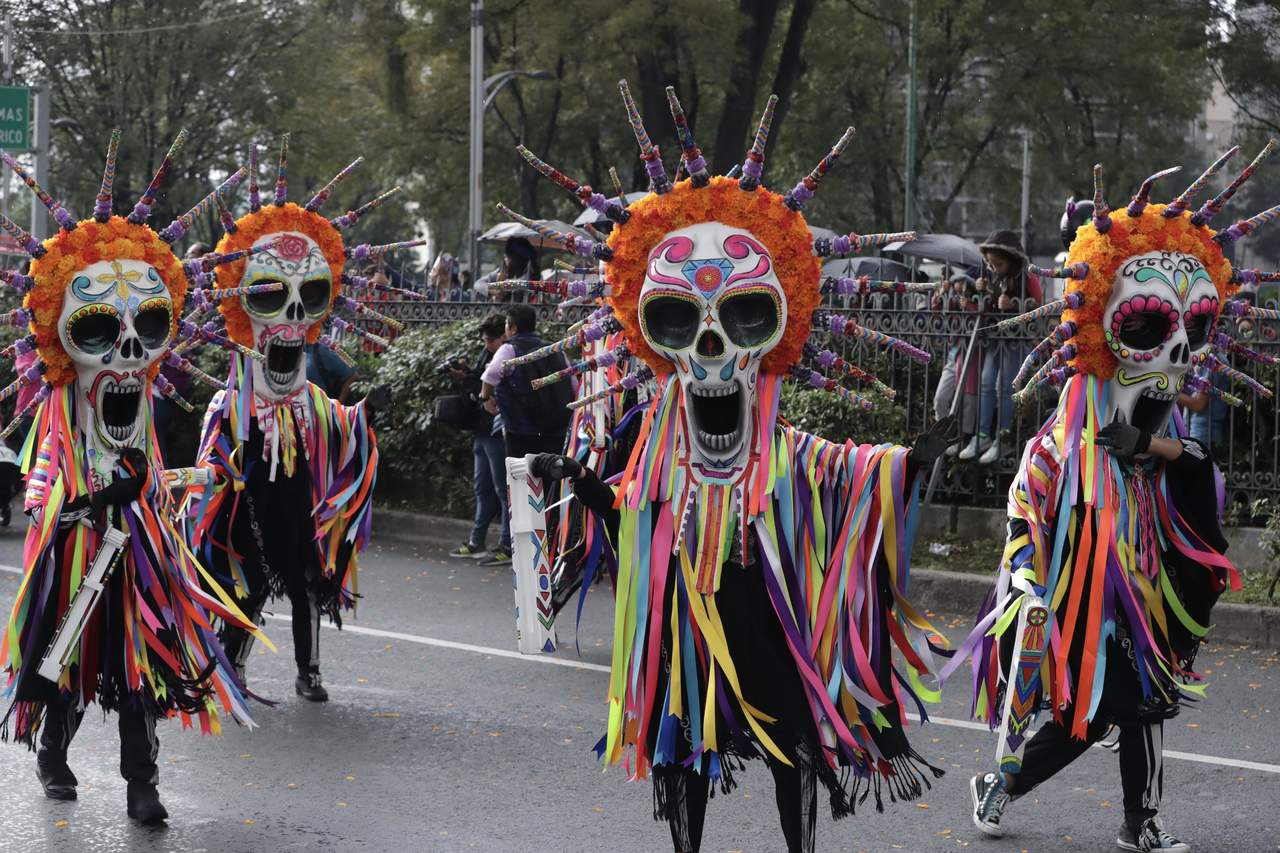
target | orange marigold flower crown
[
  {"x": 252, "y": 227},
  {"x": 68, "y": 252},
  {"x": 1129, "y": 235},
  {"x": 781, "y": 230}
]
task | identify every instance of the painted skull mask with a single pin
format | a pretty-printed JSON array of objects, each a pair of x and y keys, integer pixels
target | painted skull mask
[
  {"x": 1159, "y": 317},
  {"x": 116, "y": 322},
  {"x": 712, "y": 305},
  {"x": 281, "y": 318}
]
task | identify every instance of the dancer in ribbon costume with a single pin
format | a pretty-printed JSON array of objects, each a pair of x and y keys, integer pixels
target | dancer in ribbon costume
[
  {"x": 290, "y": 508},
  {"x": 1114, "y": 556},
  {"x": 102, "y": 302},
  {"x": 762, "y": 571}
]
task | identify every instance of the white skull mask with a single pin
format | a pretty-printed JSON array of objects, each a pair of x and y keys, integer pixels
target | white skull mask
[
  {"x": 1161, "y": 311},
  {"x": 116, "y": 321},
  {"x": 280, "y": 318},
  {"x": 712, "y": 305}
]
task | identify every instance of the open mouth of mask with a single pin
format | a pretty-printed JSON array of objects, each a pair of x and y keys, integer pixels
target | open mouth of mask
[
  {"x": 283, "y": 361},
  {"x": 118, "y": 403},
  {"x": 718, "y": 416}
]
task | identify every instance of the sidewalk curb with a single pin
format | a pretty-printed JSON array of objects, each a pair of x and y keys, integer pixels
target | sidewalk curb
[{"x": 931, "y": 589}]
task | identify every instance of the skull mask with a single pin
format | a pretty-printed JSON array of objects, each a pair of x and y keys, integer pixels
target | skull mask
[
  {"x": 1162, "y": 307},
  {"x": 116, "y": 322},
  {"x": 712, "y": 305},
  {"x": 280, "y": 318}
]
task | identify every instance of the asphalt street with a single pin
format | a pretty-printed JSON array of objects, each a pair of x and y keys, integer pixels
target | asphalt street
[{"x": 440, "y": 737}]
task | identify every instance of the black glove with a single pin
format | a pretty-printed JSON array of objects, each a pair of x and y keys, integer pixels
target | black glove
[
  {"x": 934, "y": 443},
  {"x": 378, "y": 398},
  {"x": 553, "y": 466},
  {"x": 124, "y": 490},
  {"x": 1123, "y": 441}
]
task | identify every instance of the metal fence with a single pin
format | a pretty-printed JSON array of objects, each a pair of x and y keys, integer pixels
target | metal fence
[{"x": 1244, "y": 443}]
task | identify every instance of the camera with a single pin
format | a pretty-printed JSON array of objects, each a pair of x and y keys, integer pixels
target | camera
[{"x": 457, "y": 361}]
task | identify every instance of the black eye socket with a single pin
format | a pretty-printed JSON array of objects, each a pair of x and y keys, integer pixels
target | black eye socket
[
  {"x": 270, "y": 302},
  {"x": 1144, "y": 329},
  {"x": 749, "y": 319},
  {"x": 315, "y": 296},
  {"x": 94, "y": 334},
  {"x": 1198, "y": 329},
  {"x": 152, "y": 326},
  {"x": 671, "y": 321}
]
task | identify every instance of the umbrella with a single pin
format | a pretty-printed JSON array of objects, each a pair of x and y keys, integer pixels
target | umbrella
[
  {"x": 948, "y": 248},
  {"x": 504, "y": 231},
  {"x": 593, "y": 217},
  {"x": 881, "y": 269}
]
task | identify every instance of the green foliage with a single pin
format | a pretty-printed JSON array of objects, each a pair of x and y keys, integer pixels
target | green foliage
[
  {"x": 830, "y": 417},
  {"x": 424, "y": 463}
]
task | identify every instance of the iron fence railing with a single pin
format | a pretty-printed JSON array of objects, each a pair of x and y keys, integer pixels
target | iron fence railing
[{"x": 1245, "y": 443}]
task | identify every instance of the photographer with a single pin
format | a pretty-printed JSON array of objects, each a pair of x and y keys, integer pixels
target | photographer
[{"x": 489, "y": 476}]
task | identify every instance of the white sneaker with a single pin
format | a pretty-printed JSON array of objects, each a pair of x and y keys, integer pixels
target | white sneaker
[
  {"x": 989, "y": 800},
  {"x": 971, "y": 449},
  {"x": 955, "y": 448},
  {"x": 991, "y": 455},
  {"x": 1150, "y": 836}
]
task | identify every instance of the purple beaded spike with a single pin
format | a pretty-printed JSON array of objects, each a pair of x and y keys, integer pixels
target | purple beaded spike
[
  {"x": 64, "y": 219},
  {"x": 1247, "y": 226},
  {"x": 318, "y": 200},
  {"x": 690, "y": 154},
  {"x": 1101, "y": 213},
  {"x": 803, "y": 191},
  {"x": 255, "y": 196},
  {"x": 142, "y": 210},
  {"x": 351, "y": 217},
  {"x": 1184, "y": 199},
  {"x": 178, "y": 227},
  {"x": 29, "y": 244},
  {"x": 1140, "y": 201},
  {"x": 753, "y": 165},
  {"x": 649, "y": 152},
  {"x": 282, "y": 172},
  {"x": 1213, "y": 206},
  {"x": 102, "y": 203}
]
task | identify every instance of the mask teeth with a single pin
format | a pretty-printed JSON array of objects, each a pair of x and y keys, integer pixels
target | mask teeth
[
  {"x": 690, "y": 154},
  {"x": 41, "y": 395},
  {"x": 64, "y": 219},
  {"x": 142, "y": 210},
  {"x": 351, "y": 217},
  {"x": 1139, "y": 202},
  {"x": 102, "y": 203},
  {"x": 753, "y": 165},
  {"x": 343, "y": 326},
  {"x": 803, "y": 191},
  {"x": 1213, "y": 206},
  {"x": 282, "y": 173},
  {"x": 365, "y": 311},
  {"x": 329, "y": 343},
  {"x": 649, "y": 152},
  {"x": 826, "y": 383},
  {"x": 604, "y": 359},
  {"x": 319, "y": 199},
  {"x": 854, "y": 242},
  {"x": 1101, "y": 213},
  {"x": 178, "y": 227},
  {"x": 1179, "y": 204},
  {"x": 29, "y": 244},
  {"x": 255, "y": 195},
  {"x": 626, "y": 383},
  {"x": 1247, "y": 226}
]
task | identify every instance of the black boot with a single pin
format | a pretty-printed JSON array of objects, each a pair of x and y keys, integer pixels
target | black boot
[
  {"x": 56, "y": 778},
  {"x": 144, "y": 803},
  {"x": 309, "y": 687}
]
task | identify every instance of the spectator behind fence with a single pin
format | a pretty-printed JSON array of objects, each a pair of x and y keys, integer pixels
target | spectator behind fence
[
  {"x": 958, "y": 294},
  {"x": 1009, "y": 289},
  {"x": 441, "y": 277},
  {"x": 532, "y": 421},
  {"x": 489, "y": 475},
  {"x": 519, "y": 261}
]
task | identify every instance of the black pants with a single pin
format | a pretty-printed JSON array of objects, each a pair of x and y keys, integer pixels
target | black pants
[
  {"x": 139, "y": 745},
  {"x": 1141, "y": 742},
  {"x": 794, "y": 788},
  {"x": 306, "y": 625}
]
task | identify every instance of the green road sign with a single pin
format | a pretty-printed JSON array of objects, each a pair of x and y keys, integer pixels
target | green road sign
[{"x": 15, "y": 118}]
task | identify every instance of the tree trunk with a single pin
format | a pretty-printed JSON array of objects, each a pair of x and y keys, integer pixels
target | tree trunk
[
  {"x": 750, "y": 50},
  {"x": 791, "y": 66}
]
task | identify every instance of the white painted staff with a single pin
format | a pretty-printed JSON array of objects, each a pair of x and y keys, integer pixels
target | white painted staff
[{"x": 530, "y": 564}]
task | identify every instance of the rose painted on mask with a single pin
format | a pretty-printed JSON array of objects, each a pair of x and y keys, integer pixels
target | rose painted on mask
[{"x": 292, "y": 247}]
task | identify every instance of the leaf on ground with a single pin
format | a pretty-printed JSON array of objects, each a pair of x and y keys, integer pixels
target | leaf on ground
[
  {"x": 62, "y": 824},
  {"x": 386, "y": 715}
]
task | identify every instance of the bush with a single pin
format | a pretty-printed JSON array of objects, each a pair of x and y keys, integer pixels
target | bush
[
  {"x": 424, "y": 464},
  {"x": 835, "y": 419}
]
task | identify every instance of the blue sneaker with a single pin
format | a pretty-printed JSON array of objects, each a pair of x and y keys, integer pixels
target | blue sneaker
[
  {"x": 1148, "y": 836},
  {"x": 989, "y": 801}
]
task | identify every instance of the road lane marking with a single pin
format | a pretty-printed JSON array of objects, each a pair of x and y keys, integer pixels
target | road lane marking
[{"x": 1240, "y": 763}]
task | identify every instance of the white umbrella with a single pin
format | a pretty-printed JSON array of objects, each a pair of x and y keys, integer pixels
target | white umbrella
[
  {"x": 504, "y": 231},
  {"x": 593, "y": 217}
]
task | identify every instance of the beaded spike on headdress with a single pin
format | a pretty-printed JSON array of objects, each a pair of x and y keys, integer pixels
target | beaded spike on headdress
[
  {"x": 803, "y": 191},
  {"x": 1101, "y": 213},
  {"x": 1070, "y": 301},
  {"x": 825, "y": 383},
  {"x": 577, "y": 245},
  {"x": 649, "y": 152},
  {"x": 1246, "y": 226},
  {"x": 828, "y": 360},
  {"x": 102, "y": 204},
  {"x": 255, "y": 195},
  {"x": 1143, "y": 196},
  {"x": 846, "y": 327},
  {"x": 29, "y": 244},
  {"x": 854, "y": 242},
  {"x": 583, "y": 192},
  {"x": 367, "y": 251},
  {"x": 587, "y": 333},
  {"x": 690, "y": 154},
  {"x": 318, "y": 200},
  {"x": 1213, "y": 206},
  {"x": 753, "y": 165},
  {"x": 626, "y": 383},
  {"x": 1184, "y": 199},
  {"x": 1055, "y": 339},
  {"x": 351, "y": 217},
  {"x": 608, "y": 358},
  {"x": 865, "y": 284},
  {"x": 142, "y": 210},
  {"x": 64, "y": 219},
  {"x": 178, "y": 227},
  {"x": 282, "y": 172}
]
